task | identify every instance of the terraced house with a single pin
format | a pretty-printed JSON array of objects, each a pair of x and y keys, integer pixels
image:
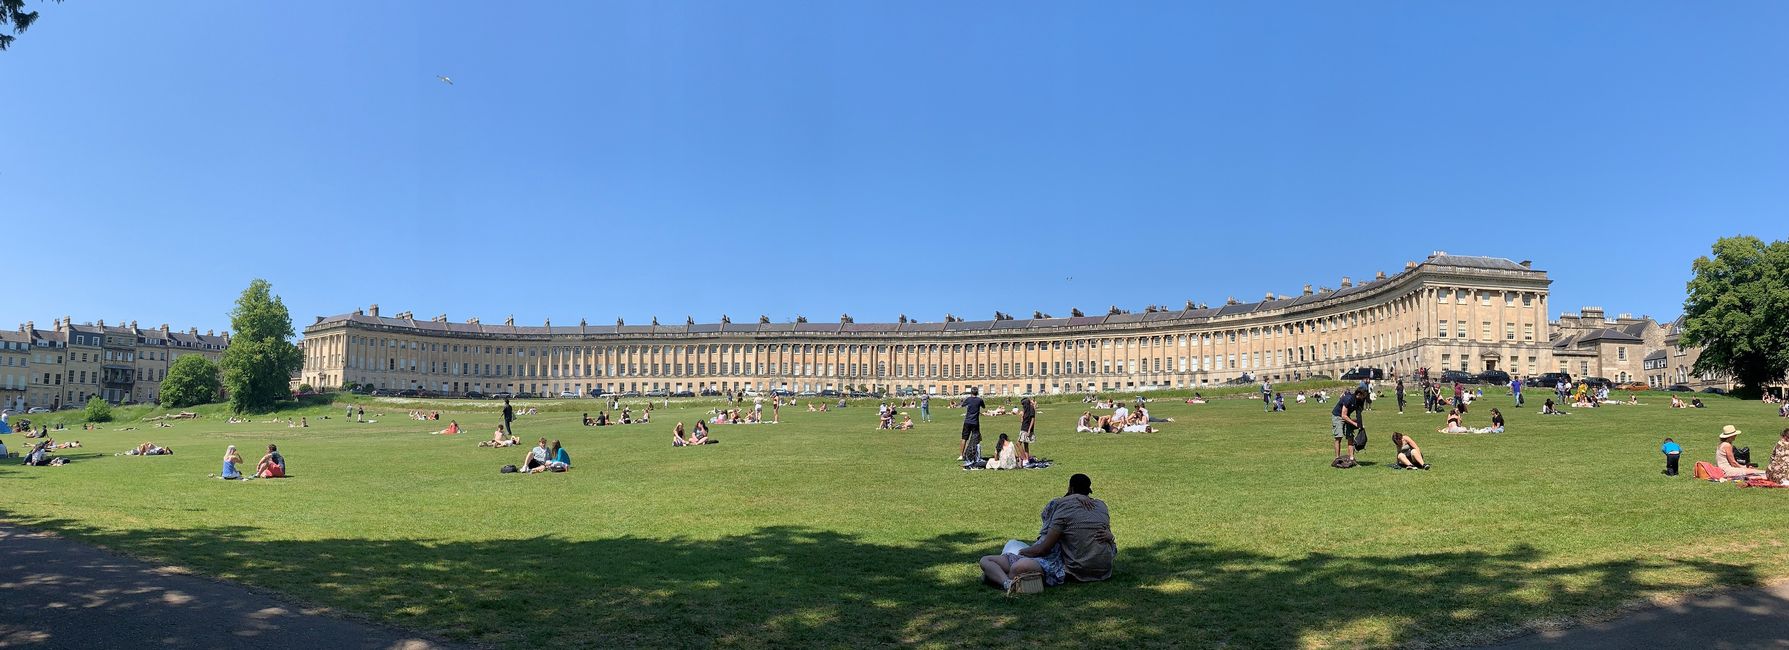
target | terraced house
[
  {"x": 1447, "y": 311},
  {"x": 72, "y": 362}
]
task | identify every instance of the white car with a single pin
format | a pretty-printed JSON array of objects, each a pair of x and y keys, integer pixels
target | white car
[
  {"x": 569, "y": 394},
  {"x": 38, "y": 409}
]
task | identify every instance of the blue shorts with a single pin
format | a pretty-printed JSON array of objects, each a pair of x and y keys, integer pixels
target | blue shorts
[{"x": 1054, "y": 572}]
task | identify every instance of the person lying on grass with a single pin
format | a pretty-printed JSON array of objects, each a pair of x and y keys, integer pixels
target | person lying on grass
[
  {"x": 1410, "y": 456},
  {"x": 149, "y": 449},
  {"x": 500, "y": 438},
  {"x": 272, "y": 465},
  {"x": 1075, "y": 541},
  {"x": 453, "y": 428},
  {"x": 1454, "y": 424}
]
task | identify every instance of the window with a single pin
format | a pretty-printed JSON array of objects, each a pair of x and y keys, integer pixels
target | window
[
  {"x": 1461, "y": 325},
  {"x": 1442, "y": 295},
  {"x": 1442, "y": 330},
  {"x": 1509, "y": 331},
  {"x": 1509, "y": 299},
  {"x": 1621, "y": 353},
  {"x": 1484, "y": 331},
  {"x": 1528, "y": 331},
  {"x": 1484, "y": 299},
  {"x": 1527, "y": 300},
  {"x": 1460, "y": 297}
]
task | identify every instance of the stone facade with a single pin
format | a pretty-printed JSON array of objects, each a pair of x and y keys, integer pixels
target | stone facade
[
  {"x": 121, "y": 364},
  {"x": 1455, "y": 312}
]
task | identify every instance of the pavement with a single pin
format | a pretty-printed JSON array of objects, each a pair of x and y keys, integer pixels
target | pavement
[
  {"x": 1737, "y": 619},
  {"x": 59, "y": 593}
]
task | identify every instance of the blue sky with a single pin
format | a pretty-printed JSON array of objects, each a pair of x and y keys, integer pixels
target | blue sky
[{"x": 597, "y": 159}]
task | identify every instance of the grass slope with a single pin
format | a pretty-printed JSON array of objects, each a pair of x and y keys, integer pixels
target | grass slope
[{"x": 1233, "y": 529}]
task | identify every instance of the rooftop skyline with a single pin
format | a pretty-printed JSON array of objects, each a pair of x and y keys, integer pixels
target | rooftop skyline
[{"x": 596, "y": 160}]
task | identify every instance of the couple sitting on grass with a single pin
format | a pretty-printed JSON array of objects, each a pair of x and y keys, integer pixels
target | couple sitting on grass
[
  {"x": 272, "y": 465},
  {"x": 544, "y": 459},
  {"x": 697, "y": 437},
  {"x": 1074, "y": 542},
  {"x": 1454, "y": 424},
  {"x": 500, "y": 438}
]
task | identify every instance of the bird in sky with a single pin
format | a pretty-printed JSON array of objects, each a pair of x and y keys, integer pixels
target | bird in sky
[{"x": 445, "y": 79}]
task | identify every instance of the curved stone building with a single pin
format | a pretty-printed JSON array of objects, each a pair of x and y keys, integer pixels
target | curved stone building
[{"x": 1446, "y": 312}]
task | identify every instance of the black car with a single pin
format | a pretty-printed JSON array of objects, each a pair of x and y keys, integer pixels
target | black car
[
  {"x": 684, "y": 393},
  {"x": 1552, "y": 379},
  {"x": 1458, "y": 376},
  {"x": 1715, "y": 391},
  {"x": 710, "y": 392},
  {"x": 1494, "y": 377},
  {"x": 829, "y": 393},
  {"x": 1362, "y": 374},
  {"x": 1680, "y": 388},
  {"x": 472, "y": 394},
  {"x": 781, "y": 392},
  {"x": 858, "y": 394}
]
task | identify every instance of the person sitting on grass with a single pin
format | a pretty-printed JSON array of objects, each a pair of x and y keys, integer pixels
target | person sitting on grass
[
  {"x": 1074, "y": 542},
  {"x": 561, "y": 460},
  {"x": 627, "y": 415},
  {"x": 1676, "y": 402},
  {"x": 453, "y": 428},
  {"x": 1004, "y": 454},
  {"x": 1696, "y": 403},
  {"x": 906, "y": 422},
  {"x": 272, "y": 465},
  {"x": 1778, "y": 468},
  {"x": 231, "y": 460},
  {"x": 1410, "y": 456},
  {"x": 1454, "y": 425},
  {"x": 1547, "y": 408},
  {"x": 1496, "y": 423},
  {"x": 500, "y": 438},
  {"x": 1731, "y": 468},
  {"x": 677, "y": 439},
  {"x": 1085, "y": 424},
  {"x": 700, "y": 436},
  {"x": 39, "y": 456},
  {"x": 537, "y": 458}
]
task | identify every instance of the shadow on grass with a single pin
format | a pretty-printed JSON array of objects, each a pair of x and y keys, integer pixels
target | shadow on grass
[{"x": 791, "y": 585}]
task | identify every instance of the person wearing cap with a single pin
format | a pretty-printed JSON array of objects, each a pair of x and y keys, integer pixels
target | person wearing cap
[{"x": 1723, "y": 457}]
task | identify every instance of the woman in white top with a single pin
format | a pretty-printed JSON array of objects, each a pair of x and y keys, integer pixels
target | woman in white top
[
  {"x": 1004, "y": 455},
  {"x": 1085, "y": 425}
]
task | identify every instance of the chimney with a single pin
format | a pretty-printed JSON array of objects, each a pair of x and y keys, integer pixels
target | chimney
[
  {"x": 442, "y": 318},
  {"x": 1379, "y": 276},
  {"x": 133, "y": 324},
  {"x": 1269, "y": 296},
  {"x": 1307, "y": 289},
  {"x": 211, "y": 332},
  {"x": 1410, "y": 266},
  {"x": 193, "y": 331},
  {"x": 1346, "y": 282},
  {"x": 102, "y": 323},
  {"x": 549, "y": 322},
  {"x": 511, "y": 321},
  {"x": 373, "y": 310},
  {"x": 31, "y": 325},
  {"x": 164, "y": 328},
  {"x": 472, "y": 321},
  {"x": 1527, "y": 264}
]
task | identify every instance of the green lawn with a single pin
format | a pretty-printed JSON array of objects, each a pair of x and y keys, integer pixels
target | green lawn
[{"x": 1232, "y": 527}]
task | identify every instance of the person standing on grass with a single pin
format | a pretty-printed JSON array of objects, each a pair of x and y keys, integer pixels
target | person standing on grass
[
  {"x": 971, "y": 420},
  {"x": 1266, "y": 396},
  {"x": 1345, "y": 419},
  {"x": 1027, "y": 428},
  {"x": 1400, "y": 389},
  {"x": 925, "y": 407},
  {"x": 509, "y": 417}
]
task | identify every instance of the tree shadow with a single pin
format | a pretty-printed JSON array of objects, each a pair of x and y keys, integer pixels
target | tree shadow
[{"x": 785, "y": 585}]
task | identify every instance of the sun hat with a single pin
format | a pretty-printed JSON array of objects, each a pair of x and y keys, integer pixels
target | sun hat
[{"x": 1728, "y": 432}]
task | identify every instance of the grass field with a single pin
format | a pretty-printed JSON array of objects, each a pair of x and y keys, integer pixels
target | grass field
[{"x": 1233, "y": 529}]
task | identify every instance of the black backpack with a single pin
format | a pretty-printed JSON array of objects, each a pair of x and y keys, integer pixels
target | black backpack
[
  {"x": 1743, "y": 455},
  {"x": 508, "y": 469},
  {"x": 1360, "y": 439},
  {"x": 1343, "y": 463}
]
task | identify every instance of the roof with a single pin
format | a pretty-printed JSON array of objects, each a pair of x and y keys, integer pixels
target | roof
[
  {"x": 1654, "y": 355},
  {"x": 1477, "y": 262},
  {"x": 14, "y": 336},
  {"x": 1611, "y": 335}
]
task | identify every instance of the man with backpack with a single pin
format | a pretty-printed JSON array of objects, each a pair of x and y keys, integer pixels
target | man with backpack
[
  {"x": 971, "y": 422},
  {"x": 1345, "y": 422}
]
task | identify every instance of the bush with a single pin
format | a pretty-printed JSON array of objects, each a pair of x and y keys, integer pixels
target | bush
[
  {"x": 305, "y": 388},
  {"x": 98, "y": 410}
]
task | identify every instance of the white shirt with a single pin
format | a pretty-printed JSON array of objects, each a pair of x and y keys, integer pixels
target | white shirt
[{"x": 1121, "y": 413}]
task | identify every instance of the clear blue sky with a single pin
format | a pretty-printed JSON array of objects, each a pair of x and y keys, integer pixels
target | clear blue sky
[{"x": 597, "y": 159}]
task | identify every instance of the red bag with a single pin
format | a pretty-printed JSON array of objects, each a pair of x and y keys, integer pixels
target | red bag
[{"x": 1708, "y": 472}]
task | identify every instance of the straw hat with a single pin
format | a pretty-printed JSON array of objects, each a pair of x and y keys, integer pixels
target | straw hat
[{"x": 1728, "y": 432}]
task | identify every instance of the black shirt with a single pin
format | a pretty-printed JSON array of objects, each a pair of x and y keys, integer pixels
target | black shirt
[
  {"x": 972, "y": 410},
  {"x": 1027, "y": 412}
]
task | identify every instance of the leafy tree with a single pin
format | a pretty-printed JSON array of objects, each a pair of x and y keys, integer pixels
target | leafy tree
[
  {"x": 259, "y": 363},
  {"x": 12, "y": 12},
  {"x": 1738, "y": 310},
  {"x": 306, "y": 388},
  {"x": 98, "y": 410},
  {"x": 191, "y": 380}
]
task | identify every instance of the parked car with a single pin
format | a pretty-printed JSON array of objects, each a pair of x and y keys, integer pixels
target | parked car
[
  {"x": 1320, "y": 377},
  {"x": 525, "y": 395},
  {"x": 1715, "y": 391},
  {"x": 1680, "y": 388},
  {"x": 658, "y": 392},
  {"x": 1552, "y": 379},
  {"x": 829, "y": 393},
  {"x": 502, "y": 395},
  {"x": 781, "y": 392},
  {"x": 684, "y": 393},
  {"x": 1494, "y": 377},
  {"x": 1362, "y": 374},
  {"x": 1599, "y": 382},
  {"x": 710, "y": 392},
  {"x": 569, "y": 394},
  {"x": 806, "y": 393},
  {"x": 631, "y": 393},
  {"x": 472, "y": 394},
  {"x": 37, "y": 409},
  {"x": 1458, "y": 376},
  {"x": 858, "y": 394}
]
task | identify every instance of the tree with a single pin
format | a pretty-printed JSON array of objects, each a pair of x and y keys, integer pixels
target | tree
[
  {"x": 259, "y": 363},
  {"x": 191, "y": 380},
  {"x": 12, "y": 12},
  {"x": 98, "y": 410},
  {"x": 1738, "y": 311}
]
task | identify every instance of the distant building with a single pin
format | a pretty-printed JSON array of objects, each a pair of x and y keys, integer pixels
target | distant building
[{"x": 72, "y": 363}]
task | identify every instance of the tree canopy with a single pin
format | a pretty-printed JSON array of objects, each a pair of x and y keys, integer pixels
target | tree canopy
[
  {"x": 12, "y": 12},
  {"x": 261, "y": 358},
  {"x": 191, "y": 380},
  {"x": 1738, "y": 310}
]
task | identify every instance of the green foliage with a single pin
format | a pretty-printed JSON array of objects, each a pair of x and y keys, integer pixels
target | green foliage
[
  {"x": 98, "y": 410},
  {"x": 191, "y": 380},
  {"x": 259, "y": 363},
  {"x": 1738, "y": 310},
  {"x": 12, "y": 12},
  {"x": 306, "y": 388}
]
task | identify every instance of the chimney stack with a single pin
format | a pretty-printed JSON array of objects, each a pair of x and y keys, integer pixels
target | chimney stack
[
  {"x": 1379, "y": 276},
  {"x": 193, "y": 331},
  {"x": 472, "y": 321},
  {"x": 440, "y": 319},
  {"x": 102, "y": 323},
  {"x": 1410, "y": 266},
  {"x": 511, "y": 321},
  {"x": 164, "y": 328},
  {"x": 1307, "y": 289},
  {"x": 373, "y": 310},
  {"x": 1346, "y": 282},
  {"x": 133, "y": 324},
  {"x": 31, "y": 325}
]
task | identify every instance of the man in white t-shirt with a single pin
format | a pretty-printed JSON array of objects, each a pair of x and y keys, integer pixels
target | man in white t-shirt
[{"x": 1121, "y": 413}]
